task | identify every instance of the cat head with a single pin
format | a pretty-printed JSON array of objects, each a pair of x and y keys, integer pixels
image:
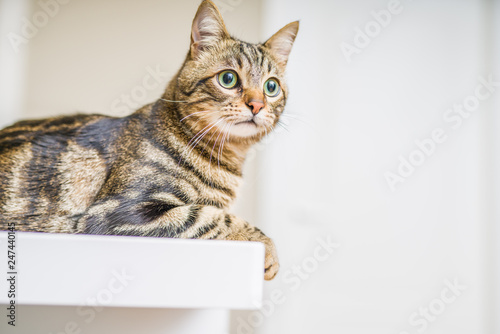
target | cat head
[{"x": 229, "y": 87}]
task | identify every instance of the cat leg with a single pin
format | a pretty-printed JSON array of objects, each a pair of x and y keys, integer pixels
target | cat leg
[{"x": 241, "y": 230}]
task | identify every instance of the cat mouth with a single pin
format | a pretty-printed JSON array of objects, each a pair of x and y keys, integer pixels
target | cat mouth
[
  {"x": 247, "y": 122},
  {"x": 245, "y": 128}
]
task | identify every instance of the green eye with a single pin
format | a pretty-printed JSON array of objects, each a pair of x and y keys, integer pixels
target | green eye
[
  {"x": 228, "y": 79},
  {"x": 272, "y": 87}
]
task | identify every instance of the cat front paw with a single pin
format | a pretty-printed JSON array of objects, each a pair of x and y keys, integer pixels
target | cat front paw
[{"x": 271, "y": 263}]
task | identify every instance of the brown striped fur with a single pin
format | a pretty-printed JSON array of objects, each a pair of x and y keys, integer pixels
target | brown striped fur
[{"x": 171, "y": 169}]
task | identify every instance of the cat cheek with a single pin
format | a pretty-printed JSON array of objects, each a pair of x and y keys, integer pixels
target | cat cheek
[{"x": 228, "y": 95}]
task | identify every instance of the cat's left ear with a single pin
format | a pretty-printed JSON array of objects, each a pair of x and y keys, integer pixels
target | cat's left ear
[
  {"x": 281, "y": 42},
  {"x": 208, "y": 28}
]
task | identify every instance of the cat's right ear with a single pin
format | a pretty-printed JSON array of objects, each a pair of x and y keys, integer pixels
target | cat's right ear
[{"x": 208, "y": 28}]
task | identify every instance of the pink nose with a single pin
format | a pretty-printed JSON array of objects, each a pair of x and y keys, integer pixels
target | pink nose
[{"x": 255, "y": 106}]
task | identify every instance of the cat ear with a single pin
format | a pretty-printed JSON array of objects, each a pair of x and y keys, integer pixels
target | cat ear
[
  {"x": 281, "y": 42},
  {"x": 208, "y": 28}
]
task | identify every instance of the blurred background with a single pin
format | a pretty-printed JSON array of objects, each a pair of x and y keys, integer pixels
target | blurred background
[{"x": 382, "y": 193}]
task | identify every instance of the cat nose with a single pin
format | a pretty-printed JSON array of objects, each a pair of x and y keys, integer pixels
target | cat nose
[{"x": 255, "y": 106}]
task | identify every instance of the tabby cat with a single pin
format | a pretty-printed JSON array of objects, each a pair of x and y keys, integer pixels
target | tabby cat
[{"x": 170, "y": 169}]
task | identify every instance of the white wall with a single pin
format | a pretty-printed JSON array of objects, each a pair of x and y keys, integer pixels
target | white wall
[
  {"x": 12, "y": 62},
  {"x": 326, "y": 177},
  {"x": 493, "y": 123}
]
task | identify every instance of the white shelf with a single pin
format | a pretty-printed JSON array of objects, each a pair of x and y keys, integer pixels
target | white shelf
[{"x": 77, "y": 270}]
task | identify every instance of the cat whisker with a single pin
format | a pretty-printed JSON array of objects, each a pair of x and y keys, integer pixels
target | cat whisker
[
  {"x": 216, "y": 140},
  {"x": 296, "y": 118},
  {"x": 203, "y": 135},
  {"x": 189, "y": 143},
  {"x": 213, "y": 147},
  {"x": 224, "y": 138},
  {"x": 283, "y": 126},
  {"x": 174, "y": 101},
  {"x": 220, "y": 146},
  {"x": 272, "y": 128},
  {"x": 198, "y": 133},
  {"x": 197, "y": 112},
  {"x": 209, "y": 140}
]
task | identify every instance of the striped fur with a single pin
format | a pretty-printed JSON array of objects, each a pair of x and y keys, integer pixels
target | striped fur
[{"x": 171, "y": 169}]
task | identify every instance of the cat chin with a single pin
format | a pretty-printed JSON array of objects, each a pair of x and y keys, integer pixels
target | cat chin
[{"x": 244, "y": 130}]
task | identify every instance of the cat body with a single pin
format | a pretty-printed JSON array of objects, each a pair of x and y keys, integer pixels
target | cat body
[{"x": 170, "y": 169}]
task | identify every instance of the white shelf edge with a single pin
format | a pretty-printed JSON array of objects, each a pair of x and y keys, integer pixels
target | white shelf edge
[{"x": 116, "y": 271}]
